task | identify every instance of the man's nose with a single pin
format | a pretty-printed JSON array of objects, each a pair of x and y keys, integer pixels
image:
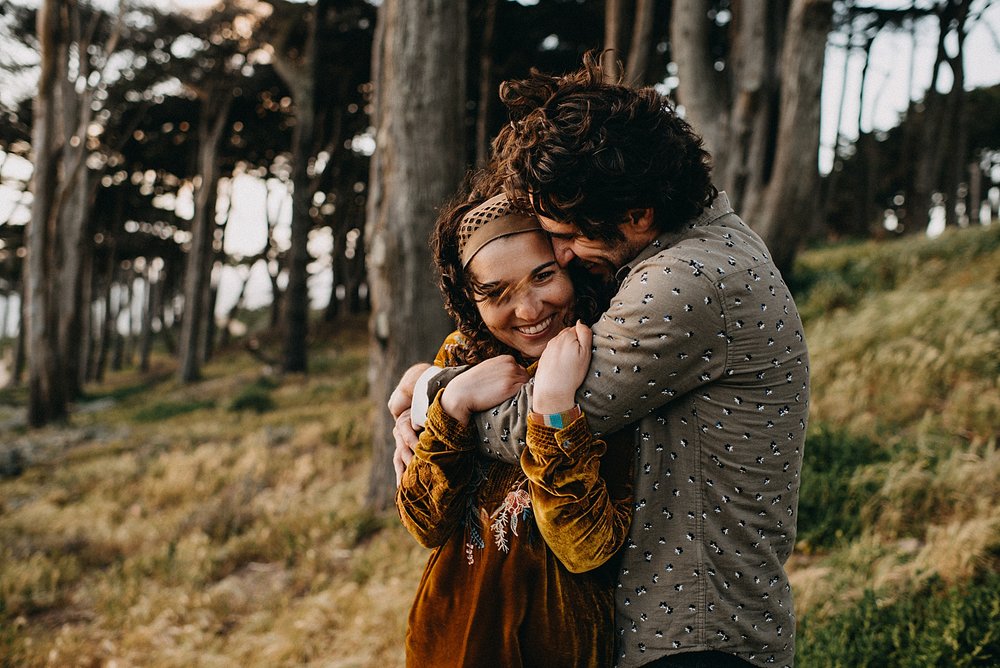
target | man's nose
[{"x": 563, "y": 251}]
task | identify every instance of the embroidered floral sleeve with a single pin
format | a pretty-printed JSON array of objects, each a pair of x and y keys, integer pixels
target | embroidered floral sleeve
[
  {"x": 581, "y": 500},
  {"x": 432, "y": 495}
]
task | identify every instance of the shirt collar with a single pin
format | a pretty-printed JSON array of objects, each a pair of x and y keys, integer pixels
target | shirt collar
[{"x": 719, "y": 207}]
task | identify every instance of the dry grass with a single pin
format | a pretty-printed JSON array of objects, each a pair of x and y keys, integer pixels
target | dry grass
[
  {"x": 164, "y": 529},
  {"x": 911, "y": 360},
  {"x": 210, "y": 538}
]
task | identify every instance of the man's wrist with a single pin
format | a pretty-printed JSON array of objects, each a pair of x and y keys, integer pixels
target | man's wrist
[{"x": 422, "y": 397}]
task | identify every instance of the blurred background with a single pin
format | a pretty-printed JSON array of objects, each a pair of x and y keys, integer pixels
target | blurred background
[{"x": 214, "y": 268}]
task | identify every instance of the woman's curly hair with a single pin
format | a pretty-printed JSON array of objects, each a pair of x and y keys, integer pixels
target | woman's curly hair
[
  {"x": 458, "y": 286},
  {"x": 584, "y": 151}
]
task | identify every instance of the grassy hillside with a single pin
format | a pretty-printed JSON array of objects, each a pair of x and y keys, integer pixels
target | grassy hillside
[
  {"x": 899, "y": 550},
  {"x": 224, "y": 524}
]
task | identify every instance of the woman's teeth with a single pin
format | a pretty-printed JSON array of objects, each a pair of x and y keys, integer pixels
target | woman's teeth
[{"x": 536, "y": 329}]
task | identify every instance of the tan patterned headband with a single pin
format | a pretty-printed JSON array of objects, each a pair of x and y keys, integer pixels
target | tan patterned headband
[{"x": 493, "y": 219}]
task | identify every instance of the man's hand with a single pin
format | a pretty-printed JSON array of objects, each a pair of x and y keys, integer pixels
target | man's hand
[
  {"x": 403, "y": 432},
  {"x": 406, "y": 442},
  {"x": 402, "y": 396},
  {"x": 483, "y": 386}
]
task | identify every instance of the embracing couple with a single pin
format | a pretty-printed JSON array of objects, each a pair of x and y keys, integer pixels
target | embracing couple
[{"x": 605, "y": 455}]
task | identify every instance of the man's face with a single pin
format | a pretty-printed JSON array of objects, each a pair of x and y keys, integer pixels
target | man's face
[{"x": 604, "y": 258}]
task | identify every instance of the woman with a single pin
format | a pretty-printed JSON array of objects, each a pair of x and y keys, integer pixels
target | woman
[{"x": 519, "y": 575}]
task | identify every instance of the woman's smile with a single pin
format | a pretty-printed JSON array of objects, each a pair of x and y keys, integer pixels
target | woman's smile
[{"x": 537, "y": 328}]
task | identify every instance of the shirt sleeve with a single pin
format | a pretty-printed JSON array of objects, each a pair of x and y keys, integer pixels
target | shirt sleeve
[
  {"x": 431, "y": 496},
  {"x": 581, "y": 499},
  {"x": 663, "y": 335}
]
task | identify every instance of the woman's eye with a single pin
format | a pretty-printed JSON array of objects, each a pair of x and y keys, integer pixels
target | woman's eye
[
  {"x": 544, "y": 275},
  {"x": 498, "y": 295}
]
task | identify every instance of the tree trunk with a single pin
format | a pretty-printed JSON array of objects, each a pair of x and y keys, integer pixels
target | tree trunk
[
  {"x": 107, "y": 321},
  {"x": 299, "y": 74},
  {"x": 487, "y": 89},
  {"x": 338, "y": 268},
  {"x": 148, "y": 308},
  {"x": 277, "y": 297},
  {"x": 830, "y": 185},
  {"x": 614, "y": 39},
  {"x": 791, "y": 199},
  {"x": 3, "y": 318},
  {"x": 758, "y": 102},
  {"x": 47, "y": 400},
  {"x": 210, "y": 292},
  {"x": 975, "y": 192},
  {"x": 20, "y": 352},
  {"x": 296, "y": 306},
  {"x": 214, "y": 114},
  {"x": 703, "y": 91},
  {"x": 637, "y": 65},
  {"x": 931, "y": 149},
  {"x": 128, "y": 357},
  {"x": 419, "y": 103},
  {"x": 956, "y": 122}
]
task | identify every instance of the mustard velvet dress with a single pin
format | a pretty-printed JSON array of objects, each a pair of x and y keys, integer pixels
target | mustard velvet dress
[{"x": 522, "y": 571}]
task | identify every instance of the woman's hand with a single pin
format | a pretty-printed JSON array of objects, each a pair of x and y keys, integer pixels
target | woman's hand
[
  {"x": 483, "y": 386},
  {"x": 561, "y": 369}
]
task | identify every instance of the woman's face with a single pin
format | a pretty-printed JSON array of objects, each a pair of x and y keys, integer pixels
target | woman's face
[{"x": 523, "y": 296}]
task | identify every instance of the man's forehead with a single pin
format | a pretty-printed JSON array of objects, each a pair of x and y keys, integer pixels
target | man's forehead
[{"x": 557, "y": 228}]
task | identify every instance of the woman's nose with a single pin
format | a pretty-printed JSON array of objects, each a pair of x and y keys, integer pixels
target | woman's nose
[{"x": 528, "y": 306}]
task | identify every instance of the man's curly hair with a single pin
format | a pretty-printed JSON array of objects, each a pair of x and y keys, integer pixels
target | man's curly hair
[
  {"x": 458, "y": 286},
  {"x": 583, "y": 151}
]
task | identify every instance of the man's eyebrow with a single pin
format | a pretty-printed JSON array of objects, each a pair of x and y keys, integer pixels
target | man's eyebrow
[{"x": 561, "y": 235}]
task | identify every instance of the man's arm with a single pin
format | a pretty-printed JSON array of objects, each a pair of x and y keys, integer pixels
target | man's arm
[{"x": 663, "y": 335}]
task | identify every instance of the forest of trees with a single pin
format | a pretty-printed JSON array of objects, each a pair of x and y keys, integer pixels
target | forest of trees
[{"x": 361, "y": 120}]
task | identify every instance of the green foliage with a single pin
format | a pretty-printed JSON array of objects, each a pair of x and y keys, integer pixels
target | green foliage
[
  {"x": 253, "y": 398},
  {"x": 164, "y": 410},
  {"x": 366, "y": 525},
  {"x": 842, "y": 276},
  {"x": 935, "y": 625},
  {"x": 833, "y": 494},
  {"x": 127, "y": 390}
]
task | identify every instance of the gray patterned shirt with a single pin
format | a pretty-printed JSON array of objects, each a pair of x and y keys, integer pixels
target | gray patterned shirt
[{"x": 702, "y": 354}]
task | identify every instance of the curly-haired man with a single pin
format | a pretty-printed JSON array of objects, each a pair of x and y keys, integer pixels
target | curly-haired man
[{"x": 701, "y": 355}]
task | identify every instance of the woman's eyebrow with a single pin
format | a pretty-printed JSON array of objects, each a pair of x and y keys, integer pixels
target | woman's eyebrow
[
  {"x": 542, "y": 267},
  {"x": 491, "y": 285}
]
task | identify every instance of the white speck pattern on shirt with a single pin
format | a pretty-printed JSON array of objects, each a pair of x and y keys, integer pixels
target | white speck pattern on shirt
[{"x": 702, "y": 354}]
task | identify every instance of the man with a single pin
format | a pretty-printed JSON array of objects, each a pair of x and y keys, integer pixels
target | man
[{"x": 701, "y": 354}]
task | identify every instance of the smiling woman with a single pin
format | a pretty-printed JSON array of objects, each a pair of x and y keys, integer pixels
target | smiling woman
[{"x": 493, "y": 594}]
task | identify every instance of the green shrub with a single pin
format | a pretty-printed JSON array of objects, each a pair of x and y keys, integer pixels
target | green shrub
[
  {"x": 843, "y": 275},
  {"x": 934, "y": 625},
  {"x": 165, "y": 410},
  {"x": 267, "y": 382},
  {"x": 254, "y": 398},
  {"x": 832, "y": 496}
]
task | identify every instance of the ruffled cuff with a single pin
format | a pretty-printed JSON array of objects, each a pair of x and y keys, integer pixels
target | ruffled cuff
[
  {"x": 566, "y": 442},
  {"x": 451, "y": 433}
]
